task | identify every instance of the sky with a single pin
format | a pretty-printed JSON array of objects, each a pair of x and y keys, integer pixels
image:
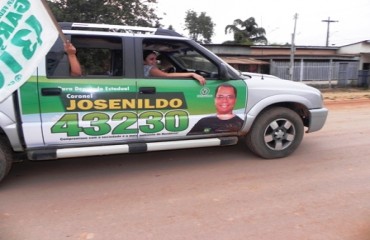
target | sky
[{"x": 352, "y": 19}]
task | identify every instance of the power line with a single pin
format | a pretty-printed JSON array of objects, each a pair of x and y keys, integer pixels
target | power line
[{"x": 328, "y": 29}]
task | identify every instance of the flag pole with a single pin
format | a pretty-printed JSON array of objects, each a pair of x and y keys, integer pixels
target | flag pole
[{"x": 61, "y": 34}]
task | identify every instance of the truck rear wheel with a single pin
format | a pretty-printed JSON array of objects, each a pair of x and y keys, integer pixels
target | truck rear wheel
[{"x": 5, "y": 157}]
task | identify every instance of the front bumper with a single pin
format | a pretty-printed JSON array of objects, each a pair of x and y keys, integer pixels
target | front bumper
[{"x": 317, "y": 119}]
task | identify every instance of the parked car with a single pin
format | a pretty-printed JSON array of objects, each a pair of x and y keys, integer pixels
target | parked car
[{"x": 113, "y": 108}]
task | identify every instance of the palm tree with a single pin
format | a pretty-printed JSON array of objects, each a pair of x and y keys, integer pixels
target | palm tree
[{"x": 247, "y": 32}]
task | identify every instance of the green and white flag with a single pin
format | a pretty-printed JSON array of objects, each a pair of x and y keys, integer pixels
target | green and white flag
[{"x": 27, "y": 32}]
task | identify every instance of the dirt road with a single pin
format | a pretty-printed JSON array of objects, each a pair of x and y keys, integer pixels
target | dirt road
[{"x": 321, "y": 192}]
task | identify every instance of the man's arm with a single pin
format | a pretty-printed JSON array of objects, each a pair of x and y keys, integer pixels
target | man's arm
[{"x": 73, "y": 61}]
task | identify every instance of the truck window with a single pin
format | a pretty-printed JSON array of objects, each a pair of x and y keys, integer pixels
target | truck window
[
  {"x": 99, "y": 56},
  {"x": 178, "y": 56}
]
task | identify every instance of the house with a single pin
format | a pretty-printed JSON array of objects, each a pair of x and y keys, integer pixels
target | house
[
  {"x": 311, "y": 63},
  {"x": 361, "y": 49}
]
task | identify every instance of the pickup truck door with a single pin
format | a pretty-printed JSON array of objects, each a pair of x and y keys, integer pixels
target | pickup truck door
[
  {"x": 177, "y": 107},
  {"x": 98, "y": 107}
]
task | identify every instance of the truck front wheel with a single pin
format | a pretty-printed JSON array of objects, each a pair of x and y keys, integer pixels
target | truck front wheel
[{"x": 276, "y": 133}]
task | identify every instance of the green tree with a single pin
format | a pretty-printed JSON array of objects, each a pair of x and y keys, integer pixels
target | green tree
[
  {"x": 201, "y": 28},
  {"x": 126, "y": 12},
  {"x": 247, "y": 32}
]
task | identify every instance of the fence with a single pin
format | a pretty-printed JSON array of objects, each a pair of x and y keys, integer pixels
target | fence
[
  {"x": 364, "y": 78},
  {"x": 342, "y": 74}
]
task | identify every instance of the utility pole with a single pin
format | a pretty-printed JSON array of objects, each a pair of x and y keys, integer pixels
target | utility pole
[
  {"x": 292, "y": 49},
  {"x": 328, "y": 29}
]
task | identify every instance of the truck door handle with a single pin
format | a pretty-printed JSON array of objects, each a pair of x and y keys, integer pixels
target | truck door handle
[
  {"x": 51, "y": 91},
  {"x": 147, "y": 90}
]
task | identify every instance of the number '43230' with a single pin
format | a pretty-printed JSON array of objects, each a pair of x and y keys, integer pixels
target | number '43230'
[{"x": 99, "y": 123}]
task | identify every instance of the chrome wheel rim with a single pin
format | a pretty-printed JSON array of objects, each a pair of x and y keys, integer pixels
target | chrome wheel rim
[{"x": 279, "y": 134}]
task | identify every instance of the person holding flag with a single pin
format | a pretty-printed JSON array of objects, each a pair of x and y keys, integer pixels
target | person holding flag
[{"x": 75, "y": 67}]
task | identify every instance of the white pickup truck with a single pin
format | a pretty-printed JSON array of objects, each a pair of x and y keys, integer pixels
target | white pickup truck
[{"x": 113, "y": 108}]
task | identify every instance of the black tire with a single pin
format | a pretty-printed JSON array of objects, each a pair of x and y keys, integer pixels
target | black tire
[
  {"x": 6, "y": 157},
  {"x": 276, "y": 133}
]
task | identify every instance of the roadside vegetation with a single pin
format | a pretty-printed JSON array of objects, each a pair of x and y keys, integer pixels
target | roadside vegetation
[{"x": 345, "y": 93}]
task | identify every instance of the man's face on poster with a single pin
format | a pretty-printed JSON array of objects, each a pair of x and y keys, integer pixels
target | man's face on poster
[{"x": 225, "y": 100}]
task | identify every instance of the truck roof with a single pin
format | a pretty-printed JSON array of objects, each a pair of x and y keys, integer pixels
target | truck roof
[{"x": 117, "y": 28}]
